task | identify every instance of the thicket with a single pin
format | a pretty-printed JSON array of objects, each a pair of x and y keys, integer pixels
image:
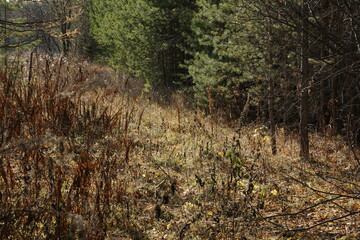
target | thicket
[{"x": 84, "y": 157}]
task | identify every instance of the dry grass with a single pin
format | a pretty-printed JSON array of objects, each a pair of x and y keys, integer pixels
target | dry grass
[{"x": 83, "y": 157}]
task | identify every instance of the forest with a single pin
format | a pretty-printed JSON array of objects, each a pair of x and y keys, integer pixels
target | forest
[{"x": 179, "y": 119}]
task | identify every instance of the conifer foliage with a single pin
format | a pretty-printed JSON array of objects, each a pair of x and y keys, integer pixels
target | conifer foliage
[{"x": 143, "y": 37}]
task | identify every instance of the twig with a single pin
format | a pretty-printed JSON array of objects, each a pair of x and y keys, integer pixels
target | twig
[
  {"x": 302, "y": 210},
  {"x": 356, "y": 195},
  {"x": 6, "y": 150},
  {"x": 323, "y": 222},
  {"x": 355, "y": 155}
]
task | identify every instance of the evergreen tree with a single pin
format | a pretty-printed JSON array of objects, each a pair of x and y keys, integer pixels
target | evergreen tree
[
  {"x": 143, "y": 37},
  {"x": 120, "y": 28},
  {"x": 230, "y": 56}
]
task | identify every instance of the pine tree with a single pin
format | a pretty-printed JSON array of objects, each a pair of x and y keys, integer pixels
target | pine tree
[
  {"x": 229, "y": 56},
  {"x": 143, "y": 37}
]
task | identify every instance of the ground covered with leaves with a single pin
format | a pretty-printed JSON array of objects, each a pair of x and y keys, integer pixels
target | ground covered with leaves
[{"x": 85, "y": 155}]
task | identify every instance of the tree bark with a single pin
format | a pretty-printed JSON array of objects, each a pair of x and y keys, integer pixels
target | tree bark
[
  {"x": 271, "y": 102},
  {"x": 304, "y": 85},
  {"x": 323, "y": 54}
]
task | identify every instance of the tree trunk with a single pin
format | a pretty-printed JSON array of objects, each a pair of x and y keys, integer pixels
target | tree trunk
[
  {"x": 323, "y": 55},
  {"x": 271, "y": 102},
  {"x": 304, "y": 85}
]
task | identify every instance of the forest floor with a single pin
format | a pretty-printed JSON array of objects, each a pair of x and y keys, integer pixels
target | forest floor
[
  {"x": 82, "y": 158},
  {"x": 198, "y": 179}
]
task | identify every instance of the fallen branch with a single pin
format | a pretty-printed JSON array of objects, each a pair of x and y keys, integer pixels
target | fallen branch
[
  {"x": 302, "y": 210},
  {"x": 323, "y": 222}
]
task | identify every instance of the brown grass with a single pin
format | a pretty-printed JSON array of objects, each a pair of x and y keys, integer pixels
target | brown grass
[{"x": 82, "y": 156}]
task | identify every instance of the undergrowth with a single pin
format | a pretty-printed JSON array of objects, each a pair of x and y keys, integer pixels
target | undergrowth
[{"x": 83, "y": 157}]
